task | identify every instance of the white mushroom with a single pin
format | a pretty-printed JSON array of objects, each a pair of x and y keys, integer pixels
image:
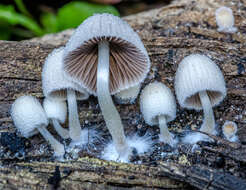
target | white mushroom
[
  {"x": 29, "y": 118},
  {"x": 225, "y": 20},
  {"x": 127, "y": 96},
  {"x": 105, "y": 56},
  {"x": 199, "y": 84},
  {"x": 55, "y": 85},
  {"x": 229, "y": 130},
  {"x": 158, "y": 107},
  {"x": 56, "y": 111}
]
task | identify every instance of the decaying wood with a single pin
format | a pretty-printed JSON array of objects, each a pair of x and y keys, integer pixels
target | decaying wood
[{"x": 169, "y": 34}]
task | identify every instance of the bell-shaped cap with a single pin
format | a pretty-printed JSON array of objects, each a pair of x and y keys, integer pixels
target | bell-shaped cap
[
  {"x": 28, "y": 114},
  {"x": 229, "y": 129},
  {"x": 128, "y": 96},
  {"x": 129, "y": 61},
  {"x": 55, "y": 109},
  {"x": 198, "y": 73},
  {"x": 157, "y": 99},
  {"x": 54, "y": 82}
]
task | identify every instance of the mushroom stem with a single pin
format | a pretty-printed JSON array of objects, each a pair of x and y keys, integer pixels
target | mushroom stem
[
  {"x": 58, "y": 147},
  {"x": 110, "y": 114},
  {"x": 208, "y": 125},
  {"x": 165, "y": 135},
  {"x": 60, "y": 130},
  {"x": 74, "y": 124}
]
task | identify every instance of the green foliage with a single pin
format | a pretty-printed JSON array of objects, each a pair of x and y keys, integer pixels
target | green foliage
[{"x": 68, "y": 16}]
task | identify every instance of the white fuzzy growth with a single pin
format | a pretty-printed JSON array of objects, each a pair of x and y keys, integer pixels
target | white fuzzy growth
[
  {"x": 194, "y": 137},
  {"x": 55, "y": 109},
  {"x": 128, "y": 96},
  {"x": 28, "y": 114},
  {"x": 198, "y": 73},
  {"x": 106, "y": 25},
  {"x": 54, "y": 80},
  {"x": 142, "y": 145},
  {"x": 229, "y": 130},
  {"x": 225, "y": 20},
  {"x": 157, "y": 99}
]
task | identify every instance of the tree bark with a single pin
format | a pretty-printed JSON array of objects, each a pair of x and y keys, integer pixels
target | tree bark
[{"x": 169, "y": 34}]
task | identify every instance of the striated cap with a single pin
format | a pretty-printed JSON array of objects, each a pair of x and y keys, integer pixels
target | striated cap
[
  {"x": 128, "y": 96},
  {"x": 54, "y": 82},
  {"x": 198, "y": 73},
  {"x": 157, "y": 99},
  {"x": 28, "y": 114},
  {"x": 129, "y": 61},
  {"x": 55, "y": 109}
]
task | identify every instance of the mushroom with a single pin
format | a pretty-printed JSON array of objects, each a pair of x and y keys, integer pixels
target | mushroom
[
  {"x": 56, "y": 111},
  {"x": 229, "y": 130},
  {"x": 127, "y": 96},
  {"x": 199, "y": 84},
  {"x": 105, "y": 56},
  {"x": 29, "y": 118},
  {"x": 225, "y": 20},
  {"x": 158, "y": 107},
  {"x": 55, "y": 85}
]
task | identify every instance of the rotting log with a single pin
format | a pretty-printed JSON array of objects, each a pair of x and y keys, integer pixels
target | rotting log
[{"x": 169, "y": 34}]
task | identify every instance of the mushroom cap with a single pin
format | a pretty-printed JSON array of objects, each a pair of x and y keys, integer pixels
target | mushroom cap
[
  {"x": 54, "y": 82},
  {"x": 128, "y": 96},
  {"x": 28, "y": 114},
  {"x": 157, "y": 99},
  {"x": 229, "y": 129},
  {"x": 55, "y": 109},
  {"x": 129, "y": 60},
  {"x": 224, "y": 17},
  {"x": 198, "y": 73}
]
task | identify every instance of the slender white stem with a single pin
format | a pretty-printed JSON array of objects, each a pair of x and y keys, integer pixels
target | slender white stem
[
  {"x": 165, "y": 135},
  {"x": 110, "y": 114},
  {"x": 208, "y": 125},
  {"x": 73, "y": 117},
  {"x": 57, "y": 146},
  {"x": 64, "y": 133}
]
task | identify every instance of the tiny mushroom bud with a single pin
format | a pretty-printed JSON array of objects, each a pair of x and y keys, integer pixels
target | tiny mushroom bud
[
  {"x": 225, "y": 20},
  {"x": 29, "y": 118},
  {"x": 229, "y": 130},
  {"x": 127, "y": 96},
  {"x": 199, "y": 84},
  {"x": 55, "y": 85},
  {"x": 158, "y": 107},
  {"x": 56, "y": 111},
  {"x": 105, "y": 56}
]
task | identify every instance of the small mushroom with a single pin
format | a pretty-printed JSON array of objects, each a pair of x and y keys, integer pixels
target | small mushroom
[
  {"x": 105, "y": 56},
  {"x": 229, "y": 130},
  {"x": 158, "y": 107},
  {"x": 199, "y": 84},
  {"x": 225, "y": 20},
  {"x": 55, "y": 85},
  {"x": 29, "y": 118},
  {"x": 56, "y": 111},
  {"x": 127, "y": 96}
]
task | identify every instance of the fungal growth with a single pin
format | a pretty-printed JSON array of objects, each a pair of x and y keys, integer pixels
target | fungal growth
[
  {"x": 128, "y": 96},
  {"x": 229, "y": 130},
  {"x": 199, "y": 84},
  {"x": 158, "y": 107},
  {"x": 55, "y": 85},
  {"x": 56, "y": 111},
  {"x": 225, "y": 20},
  {"x": 105, "y": 56},
  {"x": 29, "y": 118}
]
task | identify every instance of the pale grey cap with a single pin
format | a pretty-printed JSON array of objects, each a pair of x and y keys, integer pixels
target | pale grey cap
[
  {"x": 28, "y": 114},
  {"x": 54, "y": 82},
  {"x": 157, "y": 99},
  {"x": 129, "y": 60},
  {"x": 55, "y": 109},
  {"x": 198, "y": 73}
]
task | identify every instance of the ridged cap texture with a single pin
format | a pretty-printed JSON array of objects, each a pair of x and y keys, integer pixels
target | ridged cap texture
[
  {"x": 54, "y": 82},
  {"x": 128, "y": 96},
  {"x": 157, "y": 99},
  {"x": 28, "y": 114},
  {"x": 55, "y": 109},
  {"x": 129, "y": 60},
  {"x": 198, "y": 73}
]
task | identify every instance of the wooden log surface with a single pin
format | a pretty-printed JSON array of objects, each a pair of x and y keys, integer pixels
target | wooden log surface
[{"x": 169, "y": 34}]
